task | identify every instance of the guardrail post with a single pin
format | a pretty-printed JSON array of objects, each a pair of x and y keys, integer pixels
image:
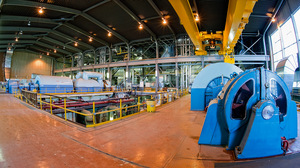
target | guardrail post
[
  {"x": 167, "y": 97},
  {"x": 51, "y": 105},
  {"x": 41, "y": 103},
  {"x": 94, "y": 113},
  {"x": 65, "y": 108},
  {"x": 120, "y": 108},
  {"x": 138, "y": 104}
]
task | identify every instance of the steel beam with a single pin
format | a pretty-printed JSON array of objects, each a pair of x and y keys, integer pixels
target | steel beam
[
  {"x": 5, "y": 46},
  {"x": 85, "y": 33},
  {"x": 45, "y": 51},
  {"x": 71, "y": 39},
  {"x": 103, "y": 26},
  {"x": 134, "y": 16},
  {"x": 260, "y": 16},
  {"x": 31, "y": 29},
  {"x": 17, "y": 42},
  {"x": 44, "y": 20},
  {"x": 61, "y": 44},
  {"x": 180, "y": 59},
  {"x": 237, "y": 17},
  {"x": 45, "y": 5},
  {"x": 96, "y": 5},
  {"x": 25, "y": 18},
  {"x": 23, "y": 36},
  {"x": 65, "y": 10},
  {"x": 52, "y": 47},
  {"x": 184, "y": 11},
  {"x": 249, "y": 48},
  {"x": 154, "y": 6}
]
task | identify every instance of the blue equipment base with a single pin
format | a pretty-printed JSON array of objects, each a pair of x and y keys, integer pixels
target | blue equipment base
[
  {"x": 197, "y": 99},
  {"x": 262, "y": 137}
]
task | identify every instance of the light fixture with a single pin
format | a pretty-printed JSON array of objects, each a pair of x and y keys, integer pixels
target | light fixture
[
  {"x": 28, "y": 23},
  {"x": 164, "y": 21},
  {"x": 90, "y": 39},
  {"x": 109, "y": 34},
  {"x": 17, "y": 39},
  {"x": 273, "y": 19},
  {"x": 75, "y": 43},
  {"x": 41, "y": 56},
  {"x": 140, "y": 26},
  {"x": 54, "y": 50},
  {"x": 41, "y": 10},
  {"x": 197, "y": 19},
  {"x": 21, "y": 32},
  {"x": 47, "y": 53}
]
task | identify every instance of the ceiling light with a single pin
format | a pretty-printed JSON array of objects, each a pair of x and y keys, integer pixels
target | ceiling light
[
  {"x": 41, "y": 56},
  {"x": 109, "y": 34},
  {"x": 140, "y": 26},
  {"x": 21, "y": 32},
  {"x": 90, "y": 39},
  {"x": 273, "y": 19},
  {"x": 41, "y": 10},
  {"x": 164, "y": 21},
  {"x": 197, "y": 19},
  {"x": 28, "y": 23},
  {"x": 54, "y": 50},
  {"x": 17, "y": 39},
  {"x": 47, "y": 53},
  {"x": 75, "y": 43}
]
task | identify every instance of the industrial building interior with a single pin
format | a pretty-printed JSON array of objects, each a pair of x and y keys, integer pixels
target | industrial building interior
[{"x": 149, "y": 83}]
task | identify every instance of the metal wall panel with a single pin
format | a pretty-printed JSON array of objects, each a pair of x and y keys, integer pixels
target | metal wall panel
[
  {"x": 24, "y": 64},
  {"x": 2, "y": 69}
]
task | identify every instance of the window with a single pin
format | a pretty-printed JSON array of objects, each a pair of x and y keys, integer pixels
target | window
[
  {"x": 284, "y": 43},
  {"x": 276, "y": 42},
  {"x": 297, "y": 20},
  {"x": 288, "y": 33}
]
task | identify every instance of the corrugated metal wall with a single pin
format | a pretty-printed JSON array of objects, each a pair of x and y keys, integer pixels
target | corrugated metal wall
[{"x": 24, "y": 64}]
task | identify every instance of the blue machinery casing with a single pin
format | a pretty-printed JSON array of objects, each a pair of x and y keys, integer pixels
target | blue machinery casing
[
  {"x": 209, "y": 82},
  {"x": 251, "y": 114}
]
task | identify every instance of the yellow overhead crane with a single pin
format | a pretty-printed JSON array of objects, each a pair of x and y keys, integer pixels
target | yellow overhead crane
[{"x": 237, "y": 17}]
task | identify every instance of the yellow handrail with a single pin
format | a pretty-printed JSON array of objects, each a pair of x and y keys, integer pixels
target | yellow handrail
[{"x": 64, "y": 107}]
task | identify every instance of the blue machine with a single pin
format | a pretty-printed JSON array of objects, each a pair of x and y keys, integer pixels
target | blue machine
[
  {"x": 12, "y": 85},
  {"x": 209, "y": 82},
  {"x": 251, "y": 114},
  {"x": 53, "y": 84}
]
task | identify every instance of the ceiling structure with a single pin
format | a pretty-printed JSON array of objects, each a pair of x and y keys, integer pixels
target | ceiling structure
[{"x": 65, "y": 23}]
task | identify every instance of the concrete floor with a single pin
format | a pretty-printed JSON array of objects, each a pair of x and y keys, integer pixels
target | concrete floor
[{"x": 167, "y": 138}]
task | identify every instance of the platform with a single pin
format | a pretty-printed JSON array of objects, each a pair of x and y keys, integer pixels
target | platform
[{"x": 167, "y": 138}]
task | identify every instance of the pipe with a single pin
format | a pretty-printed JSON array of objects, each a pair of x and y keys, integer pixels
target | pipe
[
  {"x": 264, "y": 34},
  {"x": 76, "y": 104}
]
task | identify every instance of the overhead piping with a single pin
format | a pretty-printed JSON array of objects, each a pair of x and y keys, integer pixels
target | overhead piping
[{"x": 264, "y": 35}]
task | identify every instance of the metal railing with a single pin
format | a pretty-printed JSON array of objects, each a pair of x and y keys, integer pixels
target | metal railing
[{"x": 122, "y": 108}]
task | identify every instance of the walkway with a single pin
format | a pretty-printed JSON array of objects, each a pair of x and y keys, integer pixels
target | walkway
[{"x": 167, "y": 138}]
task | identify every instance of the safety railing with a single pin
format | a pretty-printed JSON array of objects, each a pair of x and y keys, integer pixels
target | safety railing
[
  {"x": 71, "y": 90},
  {"x": 95, "y": 113}
]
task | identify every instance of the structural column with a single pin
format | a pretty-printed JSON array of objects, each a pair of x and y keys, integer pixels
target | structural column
[
  {"x": 176, "y": 75},
  {"x": 156, "y": 68}
]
